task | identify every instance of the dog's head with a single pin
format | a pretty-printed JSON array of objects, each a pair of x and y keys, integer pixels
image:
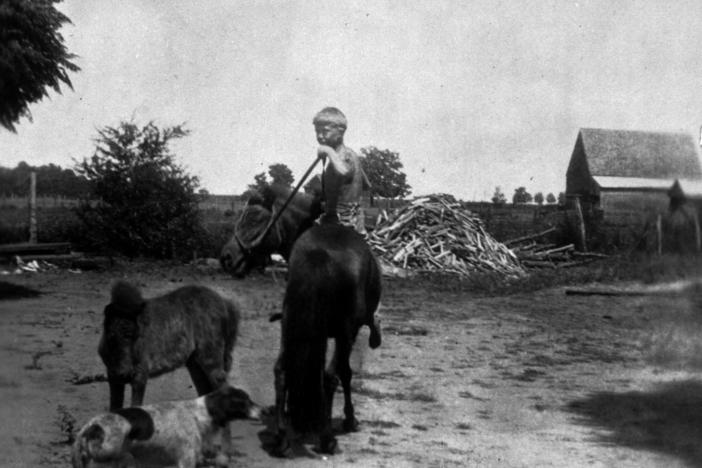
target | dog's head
[{"x": 228, "y": 403}]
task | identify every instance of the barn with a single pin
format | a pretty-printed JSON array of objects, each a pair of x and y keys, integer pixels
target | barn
[{"x": 619, "y": 179}]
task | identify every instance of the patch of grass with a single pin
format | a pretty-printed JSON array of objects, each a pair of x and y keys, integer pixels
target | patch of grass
[
  {"x": 420, "y": 427},
  {"x": 406, "y": 330},
  {"x": 464, "y": 426},
  {"x": 469, "y": 395}
]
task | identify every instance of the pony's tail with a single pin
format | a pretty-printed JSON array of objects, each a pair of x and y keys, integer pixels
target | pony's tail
[{"x": 308, "y": 297}]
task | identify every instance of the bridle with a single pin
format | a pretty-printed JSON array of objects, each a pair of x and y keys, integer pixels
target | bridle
[{"x": 247, "y": 251}]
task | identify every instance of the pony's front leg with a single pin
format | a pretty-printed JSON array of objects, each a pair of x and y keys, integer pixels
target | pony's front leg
[
  {"x": 116, "y": 394},
  {"x": 282, "y": 445},
  {"x": 376, "y": 337}
]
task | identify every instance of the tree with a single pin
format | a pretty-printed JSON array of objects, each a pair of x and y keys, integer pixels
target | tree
[
  {"x": 259, "y": 185},
  {"x": 499, "y": 198},
  {"x": 281, "y": 174},
  {"x": 146, "y": 204},
  {"x": 561, "y": 198},
  {"x": 33, "y": 56},
  {"x": 384, "y": 171},
  {"x": 521, "y": 196},
  {"x": 550, "y": 198},
  {"x": 278, "y": 173},
  {"x": 539, "y": 198}
]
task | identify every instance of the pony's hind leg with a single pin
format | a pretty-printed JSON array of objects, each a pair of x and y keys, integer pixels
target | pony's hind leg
[{"x": 343, "y": 370}]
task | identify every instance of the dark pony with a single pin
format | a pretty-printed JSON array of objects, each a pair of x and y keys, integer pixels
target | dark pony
[
  {"x": 247, "y": 250},
  {"x": 333, "y": 289}
]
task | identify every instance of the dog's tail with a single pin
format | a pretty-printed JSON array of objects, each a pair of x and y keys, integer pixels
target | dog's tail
[{"x": 309, "y": 297}]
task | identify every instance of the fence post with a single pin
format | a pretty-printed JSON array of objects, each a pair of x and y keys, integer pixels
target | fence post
[
  {"x": 33, "y": 207},
  {"x": 581, "y": 225}
]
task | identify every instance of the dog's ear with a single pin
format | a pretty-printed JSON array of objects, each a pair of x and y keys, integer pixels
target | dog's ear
[{"x": 142, "y": 423}]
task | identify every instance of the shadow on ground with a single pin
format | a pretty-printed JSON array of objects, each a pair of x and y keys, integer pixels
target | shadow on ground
[
  {"x": 666, "y": 420},
  {"x": 14, "y": 291}
]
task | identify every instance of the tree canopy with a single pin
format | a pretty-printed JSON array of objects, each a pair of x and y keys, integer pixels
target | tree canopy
[
  {"x": 499, "y": 198},
  {"x": 521, "y": 196},
  {"x": 384, "y": 171},
  {"x": 33, "y": 56},
  {"x": 145, "y": 204}
]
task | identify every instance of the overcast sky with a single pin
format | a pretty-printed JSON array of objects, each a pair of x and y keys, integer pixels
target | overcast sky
[{"x": 471, "y": 94}]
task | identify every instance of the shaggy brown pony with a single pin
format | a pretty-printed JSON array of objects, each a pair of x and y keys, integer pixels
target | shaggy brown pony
[{"x": 192, "y": 326}]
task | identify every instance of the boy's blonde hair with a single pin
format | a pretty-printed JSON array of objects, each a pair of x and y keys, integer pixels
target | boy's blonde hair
[{"x": 330, "y": 115}]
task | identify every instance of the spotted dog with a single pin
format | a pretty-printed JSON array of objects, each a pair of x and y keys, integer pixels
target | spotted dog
[{"x": 181, "y": 433}]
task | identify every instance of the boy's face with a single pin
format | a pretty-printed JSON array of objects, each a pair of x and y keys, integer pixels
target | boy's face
[{"x": 329, "y": 134}]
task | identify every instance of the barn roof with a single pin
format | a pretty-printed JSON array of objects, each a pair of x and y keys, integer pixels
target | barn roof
[
  {"x": 650, "y": 155},
  {"x": 632, "y": 183}
]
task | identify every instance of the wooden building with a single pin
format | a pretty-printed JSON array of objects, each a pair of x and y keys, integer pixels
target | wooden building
[{"x": 621, "y": 179}]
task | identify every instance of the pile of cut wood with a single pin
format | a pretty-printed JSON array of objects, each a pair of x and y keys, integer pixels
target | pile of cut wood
[
  {"x": 434, "y": 233},
  {"x": 534, "y": 252}
]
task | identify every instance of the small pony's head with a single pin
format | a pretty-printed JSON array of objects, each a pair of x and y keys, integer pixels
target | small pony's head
[{"x": 121, "y": 328}]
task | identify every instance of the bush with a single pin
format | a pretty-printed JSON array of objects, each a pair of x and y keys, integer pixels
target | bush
[{"x": 145, "y": 204}]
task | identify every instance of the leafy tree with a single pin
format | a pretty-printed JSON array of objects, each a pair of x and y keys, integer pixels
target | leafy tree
[
  {"x": 278, "y": 173},
  {"x": 281, "y": 174},
  {"x": 498, "y": 197},
  {"x": 52, "y": 181},
  {"x": 521, "y": 196},
  {"x": 146, "y": 204},
  {"x": 550, "y": 198},
  {"x": 561, "y": 198},
  {"x": 539, "y": 198},
  {"x": 384, "y": 171},
  {"x": 33, "y": 56}
]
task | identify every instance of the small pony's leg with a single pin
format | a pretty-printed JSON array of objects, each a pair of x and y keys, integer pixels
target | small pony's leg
[
  {"x": 138, "y": 392},
  {"x": 200, "y": 379},
  {"x": 116, "y": 395}
]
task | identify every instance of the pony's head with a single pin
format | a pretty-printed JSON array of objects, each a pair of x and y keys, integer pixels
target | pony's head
[{"x": 249, "y": 248}]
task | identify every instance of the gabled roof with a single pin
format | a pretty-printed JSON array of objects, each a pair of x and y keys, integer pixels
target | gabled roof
[
  {"x": 690, "y": 188},
  {"x": 651, "y": 155}
]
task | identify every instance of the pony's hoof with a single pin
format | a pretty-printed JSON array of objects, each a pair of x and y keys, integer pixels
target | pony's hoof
[
  {"x": 282, "y": 448},
  {"x": 327, "y": 445},
  {"x": 350, "y": 425},
  {"x": 221, "y": 460}
]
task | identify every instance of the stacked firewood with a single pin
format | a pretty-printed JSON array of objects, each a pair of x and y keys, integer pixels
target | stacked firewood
[
  {"x": 434, "y": 233},
  {"x": 534, "y": 252}
]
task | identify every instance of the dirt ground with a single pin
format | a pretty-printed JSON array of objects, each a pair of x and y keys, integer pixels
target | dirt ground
[{"x": 528, "y": 380}]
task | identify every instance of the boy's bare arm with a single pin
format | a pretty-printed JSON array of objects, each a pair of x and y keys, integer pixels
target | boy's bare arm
[{"x": 339, "y": 165}]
